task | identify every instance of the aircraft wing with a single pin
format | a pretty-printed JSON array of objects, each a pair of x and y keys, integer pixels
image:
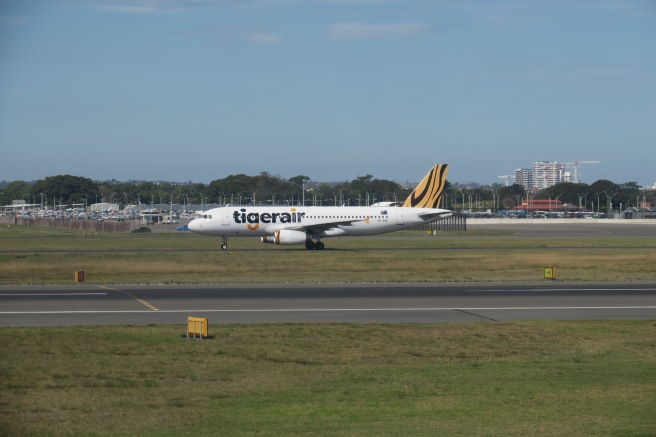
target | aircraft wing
[
  {"x": 330, "y": 225},
  {"x": 318, "y": 227}
]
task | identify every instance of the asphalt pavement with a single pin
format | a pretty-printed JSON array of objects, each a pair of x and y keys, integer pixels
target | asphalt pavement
[{"x": 336, "y": 303}]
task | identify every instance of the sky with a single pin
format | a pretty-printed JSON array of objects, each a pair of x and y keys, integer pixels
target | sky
[{"x": 196, "y": 90}]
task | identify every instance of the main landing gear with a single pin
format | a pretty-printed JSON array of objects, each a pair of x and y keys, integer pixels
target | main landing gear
[{"x": 310, "y": 245}]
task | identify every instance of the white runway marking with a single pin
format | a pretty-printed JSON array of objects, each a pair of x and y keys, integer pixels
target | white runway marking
[
  {"x": 50, "y": 294},
  {"x": 565, "y": 289},
  {"x": 301, "y": 310}
]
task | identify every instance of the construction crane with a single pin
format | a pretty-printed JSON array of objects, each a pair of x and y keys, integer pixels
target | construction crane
[
  {"x": 507, "y": 177},
  {"x": 575, "y": 165}
]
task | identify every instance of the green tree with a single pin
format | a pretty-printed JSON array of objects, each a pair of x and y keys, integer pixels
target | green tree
[
  {"x": 603, "y": 191},
  {"x": 366, "y": 188},
  {"x": 269, "y": 189},
  {"x": 297, "y": 184},
  {"x": 567, "y": 192},
  {"x": 231, "y": 189},
  {"x": 16, "y": 190},
  {"x": 511, "y": 196},
  {"x": 65, "y": 189},
  {"x": 629, "y": 194},
  {"x": 298, "y": 180}
]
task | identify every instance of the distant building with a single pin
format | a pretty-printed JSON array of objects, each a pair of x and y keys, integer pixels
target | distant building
[
  {"x": 524, "y": 177},
  {"x": 151, "y": 217},
  {"x": 20, "y": 205},
  {"x": 534, "y": 205},
  {"x": 544, "y": 174},
  {"x": 547, "y": 174},
  {"x": 638, "y": 213},
  {"x": 103, "y": 207}
]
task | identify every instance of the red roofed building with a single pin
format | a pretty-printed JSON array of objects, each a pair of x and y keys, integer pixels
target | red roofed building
[{"x": 542, "y": 205}]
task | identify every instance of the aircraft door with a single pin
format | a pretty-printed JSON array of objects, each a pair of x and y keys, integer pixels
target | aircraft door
[
  {"x": 399, "y": 216},
  {"x": 225, "y": 220}
]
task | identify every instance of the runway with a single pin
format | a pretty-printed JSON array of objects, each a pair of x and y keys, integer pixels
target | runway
[{"x": 327, "y": 303}]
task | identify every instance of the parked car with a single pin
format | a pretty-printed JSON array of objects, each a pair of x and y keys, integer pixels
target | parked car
[{"x": 141, "y": 230}]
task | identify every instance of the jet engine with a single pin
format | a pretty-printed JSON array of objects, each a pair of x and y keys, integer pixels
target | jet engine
[{"x": 285, "y": 236}]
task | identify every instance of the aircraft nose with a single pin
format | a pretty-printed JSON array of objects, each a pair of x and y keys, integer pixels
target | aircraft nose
[{"x": 194, "y": 225}]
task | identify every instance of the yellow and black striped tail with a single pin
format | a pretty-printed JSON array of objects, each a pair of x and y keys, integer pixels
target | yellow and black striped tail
[{"x": 429, "y": 191}]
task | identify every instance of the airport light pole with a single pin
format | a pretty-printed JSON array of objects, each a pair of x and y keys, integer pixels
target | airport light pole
[
  {"x": 529, "y": 198},
  {"x": 609, "y": 205},
  {"x": 495, "y": 201},
  {"x": 549, "y": 194},
  {"x": 584, "y": 196}
]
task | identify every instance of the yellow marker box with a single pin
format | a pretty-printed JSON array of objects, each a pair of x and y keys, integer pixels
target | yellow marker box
[
  {"x": 197, "y": 327},
  {"x": 550, "y": 273}
]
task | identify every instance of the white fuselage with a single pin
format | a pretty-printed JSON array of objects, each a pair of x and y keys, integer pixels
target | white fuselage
[{"x": 316, "y": 222}]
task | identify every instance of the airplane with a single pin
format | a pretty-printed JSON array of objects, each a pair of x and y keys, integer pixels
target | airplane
[{"x": 288, "y": 225}]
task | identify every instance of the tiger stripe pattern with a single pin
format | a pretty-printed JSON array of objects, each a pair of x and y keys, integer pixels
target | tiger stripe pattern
[{"x": 429, "y": 191}]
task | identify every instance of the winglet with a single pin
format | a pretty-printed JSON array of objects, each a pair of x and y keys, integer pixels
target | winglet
[{"x": 429, "y": 191}]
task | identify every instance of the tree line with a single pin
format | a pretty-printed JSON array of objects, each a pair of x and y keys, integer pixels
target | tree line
[
  {"x": 598, "y": 196},
  {"x": 264, "y": 188}
]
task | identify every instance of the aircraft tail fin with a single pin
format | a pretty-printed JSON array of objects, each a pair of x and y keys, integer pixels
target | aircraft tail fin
[{"x": 429, "y": 191}]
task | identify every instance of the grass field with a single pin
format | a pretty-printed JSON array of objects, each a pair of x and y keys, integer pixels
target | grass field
[
  {"x": 528, "y": 379},
  {"x": 51, "y": 256},
  {"x": 593, "y": 378}
]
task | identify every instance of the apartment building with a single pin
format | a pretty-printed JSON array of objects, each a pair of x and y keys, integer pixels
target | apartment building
[{"x": 544, "y": 174}]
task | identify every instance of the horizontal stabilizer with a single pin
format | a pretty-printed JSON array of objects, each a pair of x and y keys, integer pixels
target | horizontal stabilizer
[{"x": 432, "y": 216}]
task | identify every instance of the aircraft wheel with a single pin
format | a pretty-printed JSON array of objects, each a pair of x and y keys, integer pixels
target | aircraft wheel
[
  {"x": 309, "y": 245},
  {"x": 318, "y": 245},
  {"x": 224, "y": 246}
]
